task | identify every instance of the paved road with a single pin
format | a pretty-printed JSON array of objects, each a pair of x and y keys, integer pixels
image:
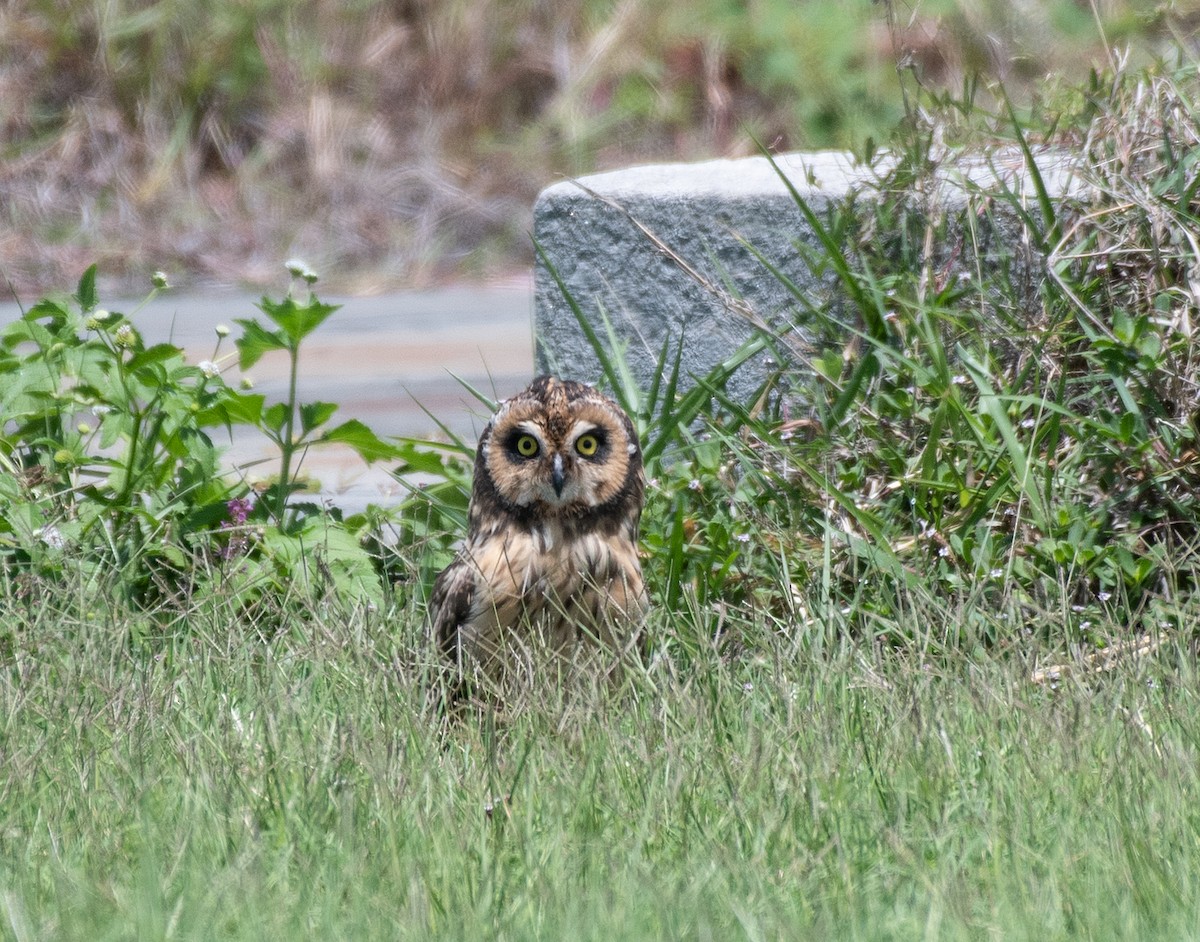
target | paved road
[{"x": 381, "y": 359}]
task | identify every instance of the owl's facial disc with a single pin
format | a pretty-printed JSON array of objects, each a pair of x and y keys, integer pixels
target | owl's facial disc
[{"x": 562, "y": 456}]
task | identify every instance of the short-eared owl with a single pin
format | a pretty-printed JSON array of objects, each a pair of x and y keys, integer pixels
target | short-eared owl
[{"x": 550, "y": 561}]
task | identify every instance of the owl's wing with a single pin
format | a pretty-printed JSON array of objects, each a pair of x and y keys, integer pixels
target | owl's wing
[{"x": 450, "y": 604}]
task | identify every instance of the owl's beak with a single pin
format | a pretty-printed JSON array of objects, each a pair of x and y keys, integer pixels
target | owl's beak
[{"x": 556, "y": 475}]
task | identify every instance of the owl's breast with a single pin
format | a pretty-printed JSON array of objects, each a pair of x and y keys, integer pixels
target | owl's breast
[
  {"x": 541, "y": 566},
  {"x": 554, "y": 583}
]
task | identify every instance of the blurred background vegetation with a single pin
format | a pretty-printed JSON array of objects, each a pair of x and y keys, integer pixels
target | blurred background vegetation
[{"x": 398, "y": 142}]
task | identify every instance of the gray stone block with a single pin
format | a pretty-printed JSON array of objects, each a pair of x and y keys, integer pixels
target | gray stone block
[{"x": 661, "y": 251}]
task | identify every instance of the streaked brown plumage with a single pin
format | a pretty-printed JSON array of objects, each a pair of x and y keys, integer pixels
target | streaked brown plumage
[{"x": 550, "y": 561}]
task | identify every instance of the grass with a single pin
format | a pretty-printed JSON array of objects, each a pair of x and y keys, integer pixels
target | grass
[{"x": 220, "y": 786}]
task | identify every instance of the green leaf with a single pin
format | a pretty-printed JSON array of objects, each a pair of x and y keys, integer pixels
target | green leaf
[
  {"x": 369, "y": 446},
  {"x": 54, "y": 309},
  {"x": 256, "y": 341},
  {"x": 28, "y": 330},
  {"x": 275, "y": 417},
  {"x": 993, "y": 405},
  {"x": 234, "y": 409},
  {"x": 86, "y": 293},
  {"x": 829, "y": 364},
  {"x": 159, "y": 353},
  {"x": 297, "y": 320},
  {"x": 113, "y": 426},
  {"x": 430, "y": 457},
  {"x": 315, "y": 414}
]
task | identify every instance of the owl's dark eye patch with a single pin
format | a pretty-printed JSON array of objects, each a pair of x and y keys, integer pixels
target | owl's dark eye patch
[
  {"x": 593, "y": 444},
  {"x": 523, "y": 445}
]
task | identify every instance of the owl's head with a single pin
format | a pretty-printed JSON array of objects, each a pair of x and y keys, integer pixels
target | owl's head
[{"x": 559, "y": 448}]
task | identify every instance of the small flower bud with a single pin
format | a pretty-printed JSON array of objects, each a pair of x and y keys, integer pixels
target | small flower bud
[
  {"x": 83, "y": 428},
  {"x": 159, "y": 280},
  {"x": 247, "y": 382},
  {"x": 222, "y": 330},
  {"x": 299, "y": 269}
]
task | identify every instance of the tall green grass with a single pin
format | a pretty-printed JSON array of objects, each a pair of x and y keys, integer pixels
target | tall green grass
[{"x": 225, "y": 786}]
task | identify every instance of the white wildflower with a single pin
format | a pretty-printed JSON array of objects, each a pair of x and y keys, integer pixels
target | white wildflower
[
  {"x": 51, "y": 536},
  {"x": 299, "y": 269}
]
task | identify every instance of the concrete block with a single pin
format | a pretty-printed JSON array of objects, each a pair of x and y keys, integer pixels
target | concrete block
[{"x": 662, "y": 250}]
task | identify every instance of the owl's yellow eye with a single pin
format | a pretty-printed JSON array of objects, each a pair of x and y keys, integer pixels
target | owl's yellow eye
[
  {"x": 527, "y": 446},
  {"x": 587, "y": 445}
]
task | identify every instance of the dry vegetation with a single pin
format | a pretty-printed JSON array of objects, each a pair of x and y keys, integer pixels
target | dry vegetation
[{"x": 398, "y": 142}]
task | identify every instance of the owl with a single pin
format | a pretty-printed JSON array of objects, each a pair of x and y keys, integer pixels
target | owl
[{"x": 550, "y": 562}]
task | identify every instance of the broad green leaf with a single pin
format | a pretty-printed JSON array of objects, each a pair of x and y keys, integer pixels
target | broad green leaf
[
  {"x": 275, "y": 417},
  {"x": 297, "y": 320},
  {"x": 235, "y": 409},
  {"x": 113, "y": 426},
  {"x": 323, "y": 555},
  {"x": 28, "y": 330},
  {"x": 315, "y": 414},
  {"x": 369, "y": 446},
  {"x": 56, "y": 310},
  {"x": 86, "y": 293},
  {"x": 256, "y": 341},
  {"x": 159, "y": 353},
  {"x": 424, "y": 457}
]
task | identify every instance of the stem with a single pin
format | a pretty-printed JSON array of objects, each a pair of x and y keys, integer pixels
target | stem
[{"x": 287, "y": 446}]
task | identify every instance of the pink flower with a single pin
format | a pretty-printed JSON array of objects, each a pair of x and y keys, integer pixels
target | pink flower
[{"x": 239, "y": 509}]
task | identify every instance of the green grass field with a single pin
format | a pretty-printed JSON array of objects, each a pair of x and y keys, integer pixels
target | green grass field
[{"x": 227, "y": 787}]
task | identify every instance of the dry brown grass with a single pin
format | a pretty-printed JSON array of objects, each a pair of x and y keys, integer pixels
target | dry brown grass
[{"x": 404, "y": 141}]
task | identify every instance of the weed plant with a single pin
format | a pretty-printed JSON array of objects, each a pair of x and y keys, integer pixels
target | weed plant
[
  {"x": 1015, "y": 425},
  {"x": 112, "y": 474}
]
